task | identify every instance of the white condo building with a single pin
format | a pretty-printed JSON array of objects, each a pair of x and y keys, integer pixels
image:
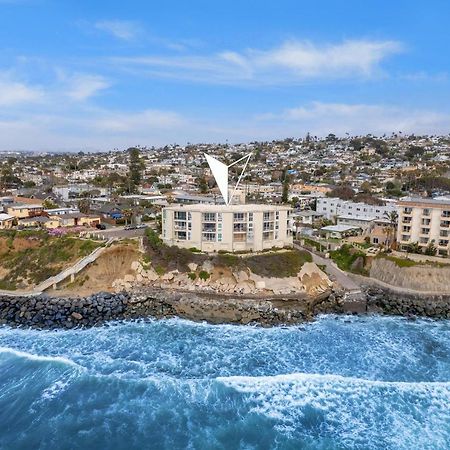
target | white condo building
[
  {"x": 232, "y": 228},
  {"x": 333, "y": 208},
  {"x": 424, "y": 221}
]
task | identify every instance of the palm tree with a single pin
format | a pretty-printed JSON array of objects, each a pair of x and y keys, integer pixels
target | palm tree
[
  {"x": 127, "y": 213},
  {"x": 392, "y": 217}
]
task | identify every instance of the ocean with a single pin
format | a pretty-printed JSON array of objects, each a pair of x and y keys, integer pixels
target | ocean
[{"x": 336, "y": 383}]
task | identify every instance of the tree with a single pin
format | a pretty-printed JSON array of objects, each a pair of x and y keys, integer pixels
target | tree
[
  {"x": 128, "y": 214},
  {"x": 342, "y": 192},
  {"x": 366, "y": 187},
  {"x": 135, "y": 168},
  {"x": 392, "y": 217},
  {"x": 431, "y": 249},
  {"x": 84, "y": 205},
  {"x": 202, "y": 185},
  {"x": 49, "y": 204}
]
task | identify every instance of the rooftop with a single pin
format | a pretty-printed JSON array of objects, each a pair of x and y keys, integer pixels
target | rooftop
[
  {"x": 228, "y": 208},
  {"x": 339, "y": 228},
  {"x": 439, "y": 201}
]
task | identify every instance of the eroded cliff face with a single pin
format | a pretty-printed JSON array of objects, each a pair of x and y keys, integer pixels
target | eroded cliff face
[
  {"x": 310, "y": 280},
  {"x": 425, "y": 278}
]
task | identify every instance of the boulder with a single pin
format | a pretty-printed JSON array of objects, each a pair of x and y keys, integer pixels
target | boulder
[
  {"x": 192, "y": 266},
  {"x": 168, "y": 276},
  {"x": 208, "y": 266},
  {"x": 135, "y": 265},
  {"x": 241, "y": 276}
]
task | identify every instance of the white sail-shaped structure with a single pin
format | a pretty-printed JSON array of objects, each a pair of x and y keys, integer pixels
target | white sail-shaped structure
[{"x": 220, "y": 174}]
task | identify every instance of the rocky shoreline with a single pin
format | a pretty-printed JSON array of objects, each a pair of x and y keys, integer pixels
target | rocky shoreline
[{"x": 44, "y": 312}]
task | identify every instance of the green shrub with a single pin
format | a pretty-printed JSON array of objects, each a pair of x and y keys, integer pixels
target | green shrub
[
  {"x": 160, "y": 270},
  {"x": 346, "y": 256},
  {"x": 204, "y": 275},
  {"x": 152, "y": 239},
  {"x": 192, "y": 275}
]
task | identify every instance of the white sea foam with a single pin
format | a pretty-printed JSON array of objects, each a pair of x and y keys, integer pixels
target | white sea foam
[
  {"x": 354, "y": 409},
  {"x": 43, "y": 358}
]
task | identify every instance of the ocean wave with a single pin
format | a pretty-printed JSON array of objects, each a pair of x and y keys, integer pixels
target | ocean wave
[
  {"x": 32, "y": 357},
  {"x": 248, "y": 382}
]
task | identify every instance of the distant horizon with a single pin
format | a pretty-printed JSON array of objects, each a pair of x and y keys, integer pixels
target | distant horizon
[
  {"x": 92, "y": 76},
  {"x": 226, "y": 142}
]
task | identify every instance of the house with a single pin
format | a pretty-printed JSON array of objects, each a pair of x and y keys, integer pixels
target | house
[
  {"x": 76, "y": 220},
  {"x": 339, "y": 231},
  {"x": 305, "y": 218},
  {"x": 24, "y": 210},
  {"x": 6, "y": 221}
]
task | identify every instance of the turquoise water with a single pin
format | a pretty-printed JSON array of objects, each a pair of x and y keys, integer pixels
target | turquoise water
[{"x": 344, "y": 383}]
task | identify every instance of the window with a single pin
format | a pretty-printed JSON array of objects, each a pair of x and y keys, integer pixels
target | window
[
  {"x": 181, "y": 235},
  {"x": 180, "y": 225},
  {"x": 443, "y": 242},
  {"x": 239, "y": 217},
  {"x": 209, "y": 217},
  {"x": 239, "y": 227},
  {"x": 209, "y": 227},
  {"x": 426, "y": 221},
  {"x": 267, "y": 235},
  {"x": 210, "y": 237},
  {"x": 250, "y": 217},
  {"x": 425, "y": 231},
  {"x": 407, "y": 210},
  {"x": 445, "y": 213},
  {"x": 426, "y": 212},
  {"x": 180, "y": 215},
  {"x": 239, "y": 237}
]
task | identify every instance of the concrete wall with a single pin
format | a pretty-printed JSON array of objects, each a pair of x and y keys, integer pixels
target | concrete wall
[{"x": 424, "y": 278}]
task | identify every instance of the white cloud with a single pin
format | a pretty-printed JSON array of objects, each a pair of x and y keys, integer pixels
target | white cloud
[
  {"x": 120, "y": 29},
  {"x": 340, "y": 118},
  {"x": 83, "y": 86},
  {"x": 136, "y": 122},
  {"x": 14, "y": 92},
  {"x": 292, "y": 62}
]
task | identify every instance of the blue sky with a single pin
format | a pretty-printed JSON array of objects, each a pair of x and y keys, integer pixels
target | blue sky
[{"x": 97, "y": 75}]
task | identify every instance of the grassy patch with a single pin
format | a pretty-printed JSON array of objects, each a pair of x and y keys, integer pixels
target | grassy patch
[
  {"x": 346, "y": 258},
  {"x": 404, "y": 262},
  {"x": 279, "y": 265},
  {"x": 32, "y": 265}
]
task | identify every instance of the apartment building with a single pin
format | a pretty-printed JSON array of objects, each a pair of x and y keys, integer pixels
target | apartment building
[
  {"x": 332, "y": 208},
  {"x": 232, "y": 228},
  {"x": 424, "y": 221}
]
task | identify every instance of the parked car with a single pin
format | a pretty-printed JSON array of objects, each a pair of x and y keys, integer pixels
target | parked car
[{"x": 100, "y": 226}]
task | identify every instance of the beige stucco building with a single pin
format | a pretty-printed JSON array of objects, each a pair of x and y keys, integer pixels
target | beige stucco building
[
  {"x": 424, "y": 220},
  {"x": 233, "y": 228}
]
